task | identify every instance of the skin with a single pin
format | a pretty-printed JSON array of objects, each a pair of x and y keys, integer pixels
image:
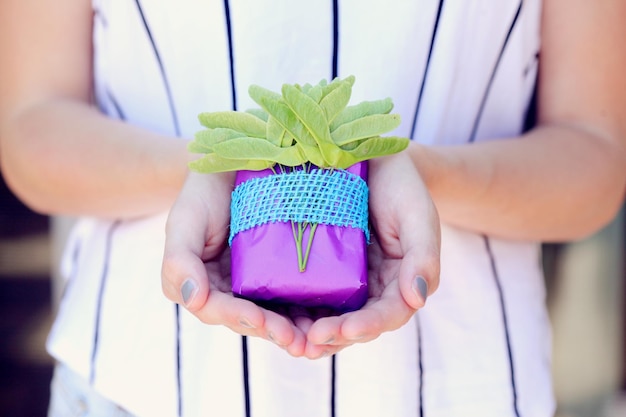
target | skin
[
  {"x": 566, "y": 178},
  {"x": 55, "y": 147},
  {"x": 406, "y": 246}
]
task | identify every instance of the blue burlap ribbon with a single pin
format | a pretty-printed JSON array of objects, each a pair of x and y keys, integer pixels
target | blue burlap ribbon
[{"x": 322, "y": 196}]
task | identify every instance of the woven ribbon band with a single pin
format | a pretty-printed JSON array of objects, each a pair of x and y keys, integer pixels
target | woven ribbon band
[{"x": 330, "y": 197}]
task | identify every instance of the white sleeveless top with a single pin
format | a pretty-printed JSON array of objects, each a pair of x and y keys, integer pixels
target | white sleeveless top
[{"x": 458, "y": 71}]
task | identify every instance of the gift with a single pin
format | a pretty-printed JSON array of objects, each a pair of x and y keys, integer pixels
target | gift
[{"x": 299, "y": 209}]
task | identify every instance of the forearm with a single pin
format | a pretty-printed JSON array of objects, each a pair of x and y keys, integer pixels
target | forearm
[
  {"x": 552, "y": 184},
  {"x": 64, "y": 157}
]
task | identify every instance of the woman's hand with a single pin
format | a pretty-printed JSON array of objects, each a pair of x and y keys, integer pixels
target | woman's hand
[
  {"x": 403, "y": 261},
  {"x": 196, "y": 265}
]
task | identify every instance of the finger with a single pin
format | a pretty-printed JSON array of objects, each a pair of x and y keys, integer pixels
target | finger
[
  {"x": 326, "y": 331},
  {"x": 240, "y": 315},
  {"x": 420, "y": 243},
  {"x": 297, "y": 347},
  {"x": 387, "y": 313},
  {"x": 189, "y": 241},
  {"x": 324, "y": 337},
  {"x": 408, "y": 226},
  {"x": 301, "y": 321},
  {"x": 183, "y": 274},
  {"x": 283, "y": 332},
  {"x": 246, "y": 318}
]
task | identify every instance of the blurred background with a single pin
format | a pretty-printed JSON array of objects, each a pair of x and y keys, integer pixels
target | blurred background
[{"x": 586, "y": 294}]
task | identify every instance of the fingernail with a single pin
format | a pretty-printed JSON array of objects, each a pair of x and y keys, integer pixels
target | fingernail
[
  {"x": 245, "y": 323},
  {"x": 329, "y": 341},
  {"x": 188, "y": 290},
  {"x": 420, "y": 287},
  {"x": 271, "y": 336}
]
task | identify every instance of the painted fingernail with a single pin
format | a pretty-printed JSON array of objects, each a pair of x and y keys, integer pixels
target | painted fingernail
[
  {"x": 420, "y": 287},
  {"x": 246, "y": 323},
  {"x": 188, "y": 290},
  {"x": 272, "y": 338},
  {"x": 329, "y": 340}
]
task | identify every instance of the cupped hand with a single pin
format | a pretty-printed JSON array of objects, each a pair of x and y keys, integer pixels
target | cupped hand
[
  {"x": 403, "y": 260},
  {"x": 196, "y": 265}
]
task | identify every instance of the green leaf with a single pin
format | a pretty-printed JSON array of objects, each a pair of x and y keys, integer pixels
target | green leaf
[
  {"x": 276, "y": 134},
  {"x": 242, "y": 122},
  {"x": 313, "y": 155},
  {"x": 259, "y": 149},
  {"x": 314, "y": 92},
  {"x": 365, "y": 127},
  {"x": 311, "y": 115},
  {"x": 336, "y": 97},
  {"x": 328, "y": 88},
  {"x": 212, "y": 163},
  {"x": 256, "y": 92},
  {"x": 204, "y": 140},
  {"x": 365, "y": 108},
  {"x": 280, "y": 111},
  {"x": 260, "y": 113},
  {"x": 372, "y": 148}
]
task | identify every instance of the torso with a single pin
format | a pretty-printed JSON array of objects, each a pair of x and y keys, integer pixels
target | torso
[{"x": 457, "y": 71}]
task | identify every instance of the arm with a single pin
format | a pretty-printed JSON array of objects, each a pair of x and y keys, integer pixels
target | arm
[
  {"x": 566, "y": 178},
  {"x": 58, "y": 153}
]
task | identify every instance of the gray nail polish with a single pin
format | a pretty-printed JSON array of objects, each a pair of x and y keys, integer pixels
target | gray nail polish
[
  {"x": 188, "y": 290},
  {"x": 246, "y": 323},
  {"x": 420, "y": 287},
  {"x": 329, "y": 341},
  {"x": 271, "y": 337}
]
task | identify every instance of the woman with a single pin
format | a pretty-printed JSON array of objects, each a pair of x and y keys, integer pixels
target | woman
[{"x": 462, "y": 76}]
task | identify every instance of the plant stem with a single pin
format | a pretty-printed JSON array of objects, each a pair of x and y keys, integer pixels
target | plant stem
[
  {"x": 308, "y": 247},
  {"x": 297, "y": 237}
]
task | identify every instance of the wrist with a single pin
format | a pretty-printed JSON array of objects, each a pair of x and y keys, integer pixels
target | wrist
[{"x": 428, "y": 163}]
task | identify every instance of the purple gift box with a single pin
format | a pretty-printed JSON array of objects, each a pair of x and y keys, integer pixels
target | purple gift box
[{"x": 265, "y": 267}]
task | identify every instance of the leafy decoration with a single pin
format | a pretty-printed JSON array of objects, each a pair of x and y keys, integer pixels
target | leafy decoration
[{"x": 304, "y": 124}]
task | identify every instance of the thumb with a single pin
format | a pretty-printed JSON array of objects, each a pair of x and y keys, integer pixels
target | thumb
[
  {"x": 420, "y": 239},
  {"x": 183, "y": 274},
  {"x": 202, "y": 203}
]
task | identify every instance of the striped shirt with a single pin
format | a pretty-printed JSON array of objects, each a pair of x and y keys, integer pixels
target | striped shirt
[{"x": 457, "y": 71}]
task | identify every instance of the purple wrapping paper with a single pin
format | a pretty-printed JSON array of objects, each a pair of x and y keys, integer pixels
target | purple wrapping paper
[{"x": 264, "y": 262}]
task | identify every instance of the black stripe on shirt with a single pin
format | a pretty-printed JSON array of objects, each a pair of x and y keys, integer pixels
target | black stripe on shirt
[
  {"x": 246, "y": 375},
  {"x": 335, "y": 72},
  {"x": 335, "y": 62},
  {"x": 233, "y": 85},
  {"x": 103, "y": 279},
  {"x": 116, "y": 105},
  {"x": 176, "y": 126},
  {"x": 166, "y": 84},
  {"x": 481, "y": 108},
  {"x": 231, "y": 55},
  {"x": 76, "y": 253},
  {"x": 420, "y": 366},
  {"x": 530, "y": 119},
  {"x": 426, "y": 68},
  {"x": 505, "y": 322},
  {"x": 98, "y": 15},
  {"x": 333, "y": 386},
  {"x": 179, "y": 379}
]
